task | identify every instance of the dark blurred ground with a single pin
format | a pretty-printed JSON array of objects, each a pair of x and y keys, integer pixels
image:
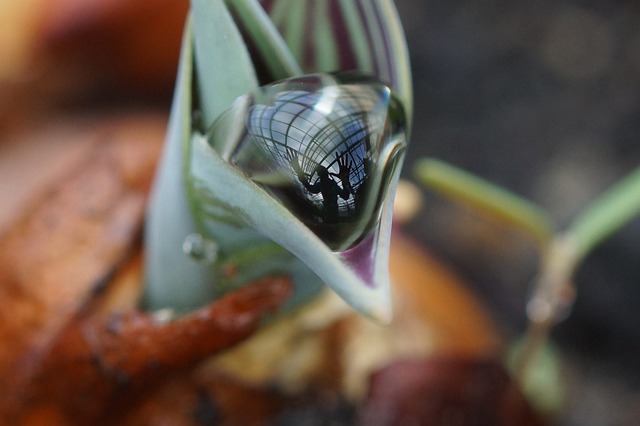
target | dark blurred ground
[{"x": 542, "y": 98}]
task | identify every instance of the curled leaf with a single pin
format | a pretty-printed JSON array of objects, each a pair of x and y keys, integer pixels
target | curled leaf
[
  {"x": 311, "y": 163},
  {"x": 100, "y": 367},
  {"x": 214, "y": 194}
]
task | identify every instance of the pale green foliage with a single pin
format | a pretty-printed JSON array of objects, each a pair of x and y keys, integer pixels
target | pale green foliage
[{"x": 196, "y": 191}]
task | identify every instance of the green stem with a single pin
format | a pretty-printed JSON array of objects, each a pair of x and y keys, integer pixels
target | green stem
[
  {"x": 554, "y": 288},
  {"x": 561, "y": 254},
  {"x": 534, "y": 339},
  {"x": 464, "y": 187},
  {"x": 607, "y": 214},
  {"x": 271, "y": 47}
]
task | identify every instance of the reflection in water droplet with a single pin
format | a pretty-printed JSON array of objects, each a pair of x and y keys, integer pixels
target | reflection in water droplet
[
  {"x": 326, "y": 146},
  {"x": 200, "y": 249}
]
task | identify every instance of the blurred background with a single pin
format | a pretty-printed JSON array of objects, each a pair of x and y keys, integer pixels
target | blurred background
[{"x": 540, "y": 97}]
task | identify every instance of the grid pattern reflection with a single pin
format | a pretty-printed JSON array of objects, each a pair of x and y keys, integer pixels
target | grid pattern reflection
[{"x": 323, "y": 139}]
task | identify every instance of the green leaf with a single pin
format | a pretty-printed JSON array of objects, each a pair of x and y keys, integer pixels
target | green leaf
[
  {"x": 224, "y": 69},
  {"x": 363, "y": 35},
  {"x": 542, "y": 384},
  {"x": 215, "y": 53},
  {"x": 269, "y": 43},
  {"x": 172, "y": 279},
  {"x": 231, "y": 211},
  {"x": 606, "y": 214},
  {"x": 252, "y": 214}
]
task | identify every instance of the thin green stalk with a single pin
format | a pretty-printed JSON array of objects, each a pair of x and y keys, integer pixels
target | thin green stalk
[
  {"x": 294, "y": 25},
  {"x": 357, "y": 35},
  {"x": 326, "y": 48},
  {"x": 485, "y": 196},
  {"x": 224, "y": 68},
  {"x": 554, "y": 288},
  {"x": 271, "y": 47},
  {"x": 607, "y": 214},
  {"x": 553, "y": 296},
  {"x": 554, "y": 293},
  {"x": 534, "y": 339},
  {"x": 561, "y": 253}
]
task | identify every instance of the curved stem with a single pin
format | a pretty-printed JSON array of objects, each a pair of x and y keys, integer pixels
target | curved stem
[
  {"x": 561, "y": 254},
  {"x": 554, "y": 289},
  {"x": 554, "y": 294},
  {"x": 608, "y": 213}
]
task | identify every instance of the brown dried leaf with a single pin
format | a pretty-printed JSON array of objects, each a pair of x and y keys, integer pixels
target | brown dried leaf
[
  {"x": 327, "y": 345},
  {"x": 202, "y": 398},
  {"x": 445, "y": 391},
  {"x": 101, "y": 368},
  {"x": 428, "y": 292},
  {"x": 69, "y": 244},
  {"x": 113, "y": 48},
  {"x": 70, "y": 275}
]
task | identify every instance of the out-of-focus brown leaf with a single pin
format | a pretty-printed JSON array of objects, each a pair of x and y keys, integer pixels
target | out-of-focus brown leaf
[
  {"x": 57, "y": 51},
  {"x": 445, "y": 391},
  {"x": 427, "y": 291},
  {"x": 203, "y": 398},
  {"x": 69, "y": 244},
  {"x": 74, "y": 350},
  {"x": 434, "y": 315},
  {"x": 328, "y": 346},
  {"x": 100, "y": 369},
  {"x": 116, "y": 48}
]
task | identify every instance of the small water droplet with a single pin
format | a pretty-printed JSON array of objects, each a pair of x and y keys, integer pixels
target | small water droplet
[
  {"x": 325, "y": 145},
  {"x": 163, "y": 316},
  {"x": 200, "y": 249}
]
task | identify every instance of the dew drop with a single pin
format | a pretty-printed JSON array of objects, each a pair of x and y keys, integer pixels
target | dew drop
[
  {"x": 200, "y": 249},
  {"x": 325, "y": 145}
]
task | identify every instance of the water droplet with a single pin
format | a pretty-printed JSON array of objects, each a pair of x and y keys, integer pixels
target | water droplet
[
  {"x": 200, "y": 249},
  {"x": 163, "y": 316},
  {"x": 325, "y": 145}
]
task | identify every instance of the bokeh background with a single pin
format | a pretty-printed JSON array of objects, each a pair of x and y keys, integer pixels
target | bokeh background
[{"x": 540, "y": 97}]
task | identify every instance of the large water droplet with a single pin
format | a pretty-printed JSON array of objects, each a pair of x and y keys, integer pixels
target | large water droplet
[{"x": 324, "y": 145}]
